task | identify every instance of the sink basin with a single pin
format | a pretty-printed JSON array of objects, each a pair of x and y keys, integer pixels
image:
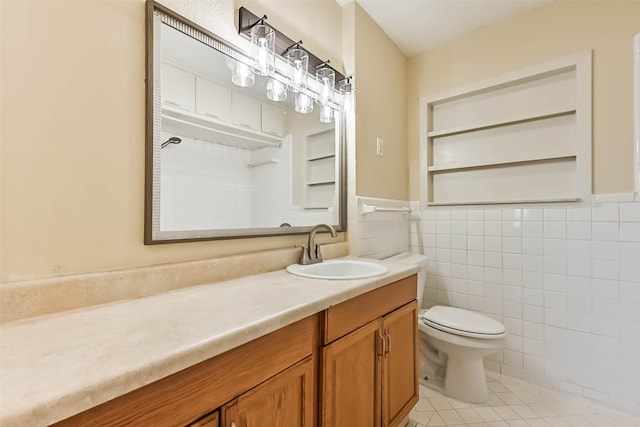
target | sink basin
[{"x": 339, "y": 269}]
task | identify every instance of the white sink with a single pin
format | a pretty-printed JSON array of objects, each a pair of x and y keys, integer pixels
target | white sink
[{"x": 339, "y": 269}]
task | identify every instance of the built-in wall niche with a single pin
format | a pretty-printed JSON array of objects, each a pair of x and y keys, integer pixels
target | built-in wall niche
[
  {"x": 518, "y": 138},
  {"x": 320, "y": 169}
]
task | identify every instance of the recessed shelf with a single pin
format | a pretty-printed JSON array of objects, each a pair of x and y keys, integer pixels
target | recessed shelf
[
  {"x": 184, "y": 123},
  {"x": 453, "y": 167},
  {"x": 483, "y": 126}
]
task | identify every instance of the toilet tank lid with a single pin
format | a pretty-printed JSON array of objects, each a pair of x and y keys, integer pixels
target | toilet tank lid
[
  {"x": 409, "y": 258},
  {"x": 463, "y": 320}
]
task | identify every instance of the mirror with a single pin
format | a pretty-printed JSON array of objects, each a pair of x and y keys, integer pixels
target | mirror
[{"x": 222, "y": 160}]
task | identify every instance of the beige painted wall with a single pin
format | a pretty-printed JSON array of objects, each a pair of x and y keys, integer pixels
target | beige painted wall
[
  {"x": 544, "y": 34},
  {"x": 72, "y": 141},
  {"x": 381, "y": 111}
]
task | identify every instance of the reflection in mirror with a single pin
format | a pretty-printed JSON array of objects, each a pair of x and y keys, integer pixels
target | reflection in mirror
[{"x": 230, "y": 156}]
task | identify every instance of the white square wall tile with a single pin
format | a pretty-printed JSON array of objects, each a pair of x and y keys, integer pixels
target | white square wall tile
[
  {"x": 555, "y": 247},
  {"x": 630, "y": 231},
  {"x": 475, "y": 215},
  {"x": 532, "y": 214},
  {"x": 475, "y": 228},
  {"x": 532, "y": 229},
  {"x": 579, "y": 214},
  {"x": 512, "y": 228},
  {"x": 605, "y": 269},
  {"x": 493, "y": 214},
  {"x": 605, "y": 231},
  {"x": 630, "y": 271},
  {"x": 579, "y": 230},
  {"x": 581, "y": 267},
  {"x": 534, "y": 246},
  {"x": 555, "y": 214},
  {"x": 579, "y": 248},
  {"x": 493, "y": 244},
  {"x": 458, "y": 215},
  {"x": 606, "y": 250},
  {"x": 605, "y": 212},
  {"x": 512, "y": 245},
  {"x": 492, "y": 228},
  {"x": 511, "y": 214},
  {"x": 630, "y": 212},
  {"x": 630, "y": 251},
  {"x": 475, "y": 243},
  {"x": 555, "y": 230}
]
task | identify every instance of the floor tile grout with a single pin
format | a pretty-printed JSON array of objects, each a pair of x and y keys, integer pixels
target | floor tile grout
[{"x": 513, "y": 403}]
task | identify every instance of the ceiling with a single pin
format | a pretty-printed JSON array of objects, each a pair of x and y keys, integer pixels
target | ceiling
[{"x": 418, "y": 25}]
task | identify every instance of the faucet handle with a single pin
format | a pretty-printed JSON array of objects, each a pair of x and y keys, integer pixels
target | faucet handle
[{"x": 304, "y": 256}]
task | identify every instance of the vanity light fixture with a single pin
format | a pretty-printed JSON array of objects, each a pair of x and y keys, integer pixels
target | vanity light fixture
[
  {"x": 327, "y": 78},
  {"x": 276, "y": 90},
  {"x": 303, "y": 103},
  {"x": 263, "y": 38},
  {"x": 242, "y": 75},
  {"x": 298, "y": 61},
  {"x": 301, "y": 61},
  {"x": 326, "y": 114},
  {"x": 346, "y": 89}
]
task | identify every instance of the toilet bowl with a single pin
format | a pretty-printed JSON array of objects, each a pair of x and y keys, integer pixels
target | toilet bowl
[
  {"x": 461, "y": 339},
  {"x": 453, "y": 343}
]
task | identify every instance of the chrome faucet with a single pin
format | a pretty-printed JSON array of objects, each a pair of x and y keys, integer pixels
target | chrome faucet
[{"x": 311, "y": 254}]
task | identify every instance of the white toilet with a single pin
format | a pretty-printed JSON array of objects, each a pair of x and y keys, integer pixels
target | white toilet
[{"x": 453, "y": 343}]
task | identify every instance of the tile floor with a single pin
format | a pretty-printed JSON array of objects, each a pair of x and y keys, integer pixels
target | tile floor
[{"x": 513, "y": 403}]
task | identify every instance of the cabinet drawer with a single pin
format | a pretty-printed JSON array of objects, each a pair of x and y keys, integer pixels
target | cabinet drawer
[
  {"x": 187, "y": 395},
  {"x": 349, "y": 315}
]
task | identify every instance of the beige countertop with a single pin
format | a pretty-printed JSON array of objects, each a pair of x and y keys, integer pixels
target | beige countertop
[{"x": 55, "y": 366}]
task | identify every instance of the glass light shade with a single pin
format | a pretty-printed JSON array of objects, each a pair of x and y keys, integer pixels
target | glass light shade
[
  {"x": 346, "y": 89},
  {"x": 327, "y": 79},
  {"x": 326, "y": 114},
  {"x": 298, "y": 61},
  {"x": 263, "y": 59},
  {"x": 242, "y": 75},
  {"x": 276, "y": 90},
  {"x": 303, "y": 103}
]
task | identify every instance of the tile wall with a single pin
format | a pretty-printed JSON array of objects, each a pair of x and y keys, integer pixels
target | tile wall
[
  {"x": 208, "y": 185},
  {"x": 564, "y": 281}
]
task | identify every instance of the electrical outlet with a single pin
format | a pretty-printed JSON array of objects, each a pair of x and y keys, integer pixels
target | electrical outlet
[{"x": 379, "y": 147}]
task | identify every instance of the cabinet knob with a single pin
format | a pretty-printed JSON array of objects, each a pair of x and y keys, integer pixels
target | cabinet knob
[{"x": 233, "y": 424}]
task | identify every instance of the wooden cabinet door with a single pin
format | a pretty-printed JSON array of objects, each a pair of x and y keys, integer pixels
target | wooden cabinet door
[
  {"x": 399, "y": 364},
  {"x": 285, "y": 400},
  {"x": 350, "y": 379},
  {"x": 178, "y": 87},
  {"x": 213, "y": 99}
]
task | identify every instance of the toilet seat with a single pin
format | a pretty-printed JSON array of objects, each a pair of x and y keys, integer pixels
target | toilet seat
[{"x": 462, "y": 322}]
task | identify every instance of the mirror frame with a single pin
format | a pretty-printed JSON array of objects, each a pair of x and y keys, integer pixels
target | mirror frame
[{"x": 152, "y": 233}]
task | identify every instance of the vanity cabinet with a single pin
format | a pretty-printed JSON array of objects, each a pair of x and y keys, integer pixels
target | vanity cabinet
[
  {"x": 271, "y": 373},
  {"x": 353, "y": 364},
  {"x": 369, "y": 364}
]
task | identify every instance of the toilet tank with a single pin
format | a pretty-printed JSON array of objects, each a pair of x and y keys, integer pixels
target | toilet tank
[{"x": 421, "y": 262}]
